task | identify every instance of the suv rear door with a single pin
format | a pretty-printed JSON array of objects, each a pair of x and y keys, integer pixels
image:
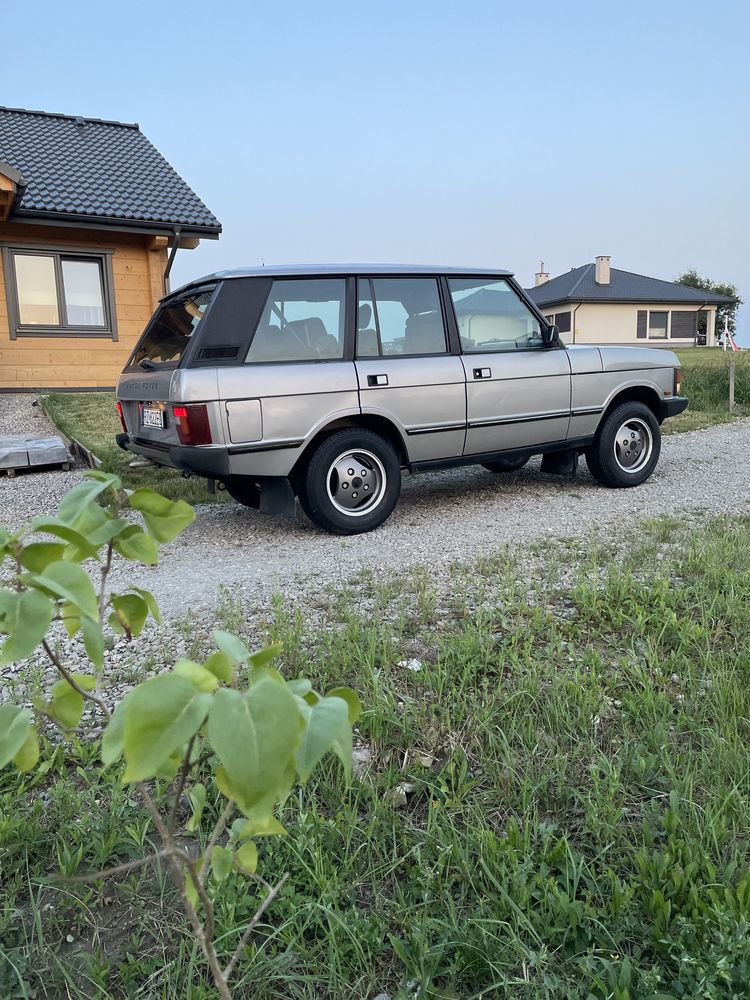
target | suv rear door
[
  {"x": 404, "y": 368},
  {"x": 517, "y": 387}
]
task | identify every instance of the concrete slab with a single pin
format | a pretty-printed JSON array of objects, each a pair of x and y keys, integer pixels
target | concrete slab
[{"x": 23, "y": 451}]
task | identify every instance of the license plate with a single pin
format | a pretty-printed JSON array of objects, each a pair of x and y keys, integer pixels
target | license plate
[{"x": 151, "y": 417}]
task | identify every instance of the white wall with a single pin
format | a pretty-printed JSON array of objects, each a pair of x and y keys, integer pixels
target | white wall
[{"x": 617, "y": 323}]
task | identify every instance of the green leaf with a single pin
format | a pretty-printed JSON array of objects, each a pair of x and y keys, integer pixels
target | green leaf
[
  {"x": 104, "y": 477},
  {"x": 80, "y": 496},
  {"x": 264, "y": 826},
  {"x": 15, "y": 725},
  {"x": 203, "y": 679},
  {"x": 246, "y": 857},
  {"x": 255, "y": 736},
  {"x": 93, "y": 641},
  {"x": 352, "y": 700},
  {"x": 133, "y": 543},
  {"x": 71, "y": 618},
  {"x": 191, "y": 892},
  {"x": 328, "y": 721},
  {"x": 54, "y": 526},
  {"x": 197, "y": 796},
  {"x": 114, "y": 734},
  {"x": 66, "y": 705},
  {"x": 25, "y": 618},
  {"x": 38, "y": 555},
  {"x": 28, "y": 755},
  {"x": 150, "y": 600},
  {"x": 264, "y": 656},
  {"x": 129, "y": 615},
  {"x": 220, "y": 666},
  {"x": 71, "y": 583},
  {"x": 165, "y": 519},
  {"x": 299, "y": 686},
  {"x": 232, "y": 646},
  {"x": 221, "y": 862},
  {"x": 161, "y": 715}
]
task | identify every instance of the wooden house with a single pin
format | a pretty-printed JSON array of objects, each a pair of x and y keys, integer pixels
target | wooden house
[{"x": 91, "y": 216}]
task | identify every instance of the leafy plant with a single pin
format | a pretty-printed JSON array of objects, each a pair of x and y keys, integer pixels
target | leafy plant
[{"x": 260, "y": 732}]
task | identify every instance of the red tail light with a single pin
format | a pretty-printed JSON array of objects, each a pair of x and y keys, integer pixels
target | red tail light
[
  {"x": 677, "y": 377},
  {"x": 192, "y": 423},
  {"x": 121, "y": 416}
]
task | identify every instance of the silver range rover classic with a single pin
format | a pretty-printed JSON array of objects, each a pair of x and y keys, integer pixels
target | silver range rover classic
[{"x": 325, "y": 383}]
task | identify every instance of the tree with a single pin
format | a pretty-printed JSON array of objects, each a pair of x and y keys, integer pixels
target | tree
[{"x": 692, "y": 279}]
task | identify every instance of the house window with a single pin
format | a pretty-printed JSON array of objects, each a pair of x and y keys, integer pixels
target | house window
[
  {"x": 657, "y": 325},
  {"x": 53, "y": 292},
  {"x": 562, "y": 322}
]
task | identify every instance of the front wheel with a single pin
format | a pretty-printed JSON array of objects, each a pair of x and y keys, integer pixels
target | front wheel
[
  {"x": 626, "y": 447},
  {"x": 351, "y": 482}
]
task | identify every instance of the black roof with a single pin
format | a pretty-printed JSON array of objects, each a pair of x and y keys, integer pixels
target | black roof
[
  {"x": 89, "y": 170},
  {"x": 578, "y": 285}
]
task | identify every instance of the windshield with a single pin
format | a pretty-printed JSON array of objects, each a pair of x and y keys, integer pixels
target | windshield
[{"x": 170, "y": 330}]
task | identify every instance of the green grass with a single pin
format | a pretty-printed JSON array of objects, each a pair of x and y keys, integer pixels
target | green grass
[
  {"x": 705, "y": 381},
  {"x": 578, "y": 826},
  {"x": 92, "y": 419}
]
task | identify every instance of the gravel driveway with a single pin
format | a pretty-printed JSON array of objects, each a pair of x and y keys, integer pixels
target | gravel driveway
[{"x": 441, "y": 518}]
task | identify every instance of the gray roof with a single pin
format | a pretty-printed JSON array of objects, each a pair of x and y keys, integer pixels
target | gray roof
[
  {"x": 578, "y": 285},
  {"x": 89, "y": 170}
]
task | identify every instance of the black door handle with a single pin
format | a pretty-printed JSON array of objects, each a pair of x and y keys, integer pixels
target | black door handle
[
  {"x": 482, "y": 373},
  {"x": 377, "y": 380}
]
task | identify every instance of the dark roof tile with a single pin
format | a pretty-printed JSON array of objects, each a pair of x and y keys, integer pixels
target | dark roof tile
[
  {"x": 96, "y": 170},
  {"x": 579, "y": 285}
]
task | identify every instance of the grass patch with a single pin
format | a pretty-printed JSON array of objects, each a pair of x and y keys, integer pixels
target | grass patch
[
  {"x": 92, "y": 419},
  {"x": 573, "y": 758},
  {"x": 705, "y": 381}
]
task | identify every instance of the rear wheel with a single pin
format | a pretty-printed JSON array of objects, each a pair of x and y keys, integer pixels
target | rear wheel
[
  {"x": 506, "y": 464},
  {"x": 351, "y": 482},
  {"x": 627, "y": 446}
]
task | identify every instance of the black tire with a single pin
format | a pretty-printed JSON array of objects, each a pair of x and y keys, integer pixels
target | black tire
[
  {"x": 626, "y": 447},
  {"x": 506, "y": 464},
  {"x": 327, "y": 490}
]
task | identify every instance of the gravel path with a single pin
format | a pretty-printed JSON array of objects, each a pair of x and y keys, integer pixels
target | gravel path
[{"x": 441, "y": 518}]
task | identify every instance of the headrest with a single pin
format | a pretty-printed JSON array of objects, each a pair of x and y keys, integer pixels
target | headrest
[{"x": 364, "y": 315}]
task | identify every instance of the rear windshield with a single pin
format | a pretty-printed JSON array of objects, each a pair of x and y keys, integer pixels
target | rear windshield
[{"x": 169, "y": 332}]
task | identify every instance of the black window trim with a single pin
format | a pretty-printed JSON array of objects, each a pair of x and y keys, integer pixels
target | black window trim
[
  {"x": 447, "y": 338},
  {"x": 102, "y": 256}
]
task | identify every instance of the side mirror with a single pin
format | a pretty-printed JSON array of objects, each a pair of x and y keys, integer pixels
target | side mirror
[{"x": 552, "y": 336}]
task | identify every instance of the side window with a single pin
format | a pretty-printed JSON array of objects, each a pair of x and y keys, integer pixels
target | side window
[
  {"x": 491, "y": 317},
  {"x": 303, "y": 320},
  {"x": 399, "y": 316}
]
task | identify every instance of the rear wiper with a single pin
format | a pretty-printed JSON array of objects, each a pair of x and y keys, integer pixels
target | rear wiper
[{"x": 147, "y": 364}]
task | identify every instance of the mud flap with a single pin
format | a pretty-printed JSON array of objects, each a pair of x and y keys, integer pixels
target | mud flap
[
  {"x": 277, "y": 497},
  {"x": 560, "y": 463}
]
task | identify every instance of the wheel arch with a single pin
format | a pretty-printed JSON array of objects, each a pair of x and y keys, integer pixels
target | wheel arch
[
  {"x": 639, "y": 393},
  {"x": 367, "y": 421}
]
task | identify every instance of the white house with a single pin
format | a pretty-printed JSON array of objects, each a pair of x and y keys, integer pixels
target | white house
[{"x": 598, "y": 304}]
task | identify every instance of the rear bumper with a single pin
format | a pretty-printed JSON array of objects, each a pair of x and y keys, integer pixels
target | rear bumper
[
  {"x": 213, "y": 463},
  {"x": 675, "y": 405}
]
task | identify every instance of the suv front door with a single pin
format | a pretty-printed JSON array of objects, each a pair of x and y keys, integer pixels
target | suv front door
[
  {"x": 517, "y": 388},
  {"x": 404, "y": 368}
]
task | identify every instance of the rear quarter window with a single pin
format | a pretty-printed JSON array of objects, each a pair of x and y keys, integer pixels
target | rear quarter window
[{"x": 168, "y": 334}]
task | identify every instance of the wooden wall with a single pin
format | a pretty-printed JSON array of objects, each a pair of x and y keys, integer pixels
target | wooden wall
[{"x": 69, "y": 362}]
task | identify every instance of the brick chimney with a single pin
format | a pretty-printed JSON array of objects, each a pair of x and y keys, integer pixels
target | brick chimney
[
  {"x": 601, "y": 275},
  {"x": 541, "y": 275}
]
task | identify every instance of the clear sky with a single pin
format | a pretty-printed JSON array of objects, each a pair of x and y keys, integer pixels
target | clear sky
[{"x": 463, "y": 133}]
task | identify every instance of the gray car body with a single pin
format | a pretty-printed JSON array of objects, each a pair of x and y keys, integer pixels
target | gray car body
[{"x": 264, "y": 418}]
